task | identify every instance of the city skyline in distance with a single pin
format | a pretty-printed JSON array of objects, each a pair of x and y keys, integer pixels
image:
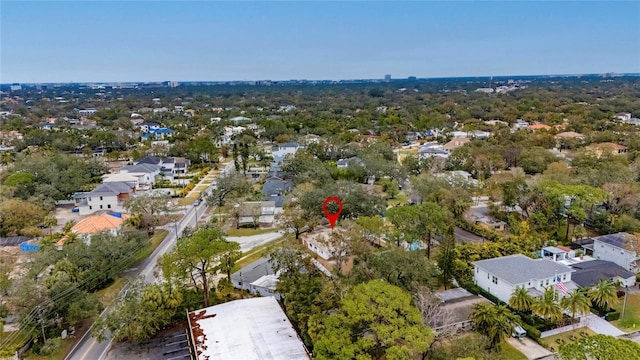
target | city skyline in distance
[{"x": 64, "y": 42}]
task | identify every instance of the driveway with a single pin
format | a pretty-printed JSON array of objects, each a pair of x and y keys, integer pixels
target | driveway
[
  {"x": 464, "y": 236},
  {"x": 249, "y": 242},
  {"x": 529, "y": 348}
]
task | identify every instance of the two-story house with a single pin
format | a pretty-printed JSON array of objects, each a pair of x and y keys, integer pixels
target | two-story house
[
  {"x": 620, "y": 248},
  {"x": 280, "y": 151},
  {"x": 501, "y": 276},
  {"x": 108, "y": 196},
  {"x": 256, "y": 213},
  {"x": 145, "y": 173}
]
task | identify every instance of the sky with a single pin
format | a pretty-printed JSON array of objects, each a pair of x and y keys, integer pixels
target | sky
[{"x": 91, "y": 41}]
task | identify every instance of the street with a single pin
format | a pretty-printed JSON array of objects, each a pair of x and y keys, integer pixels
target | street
[{"x": 88, "y": 348}]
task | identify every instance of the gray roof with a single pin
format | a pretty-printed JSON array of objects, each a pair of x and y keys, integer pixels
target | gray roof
[
  {"x": 518, "y": 269},
  {"x": 253, "y": 271},
  {"x": 617, "y": 239},
  {"x": 588, "y": 273},
  {"x": 111, "y": 188},
  {"x": 348, "y": 161},
  {"x": 142, "y": 167},
  {"x": 277, "y": 199},
  {"x": 276, "y": 187}
]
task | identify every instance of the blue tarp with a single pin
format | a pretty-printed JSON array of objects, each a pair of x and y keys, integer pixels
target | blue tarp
[{"x": 28, "y": 247}]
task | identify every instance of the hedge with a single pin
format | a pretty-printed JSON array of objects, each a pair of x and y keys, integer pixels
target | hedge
[{"x": 613, "y": 316}]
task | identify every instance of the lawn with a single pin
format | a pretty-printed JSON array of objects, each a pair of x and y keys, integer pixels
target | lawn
[
  {"x": 155, "y": 240},
  {"x": 255, "y": 254},
  {"x": 631, "y": 320},
  {"x": 201, "y": 187},
  {"x": 249, "y": 231},
  {"x": 511, "y": 353},
  {"x": 565, "y": 338},
  {"x": 401, "y": 199},
  {"x": 188, "y": 200}
]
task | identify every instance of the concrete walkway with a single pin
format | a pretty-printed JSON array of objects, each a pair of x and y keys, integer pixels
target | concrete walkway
[
  {"x": 249, "y": 242},
  {"x": 529, "y": 348},
  {"x": 593, "y": 322}
]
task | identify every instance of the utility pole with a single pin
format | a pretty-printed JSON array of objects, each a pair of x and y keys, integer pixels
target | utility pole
[
  {"x": 42, "y": 324},
  {"x": 624, "y": 305}
]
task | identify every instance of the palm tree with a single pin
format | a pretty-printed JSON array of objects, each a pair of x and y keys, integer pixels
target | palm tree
[
  {"x": 547, "y": 306},
  {"x": 494, "y": 322},
  {"x": 604, "y": 295},
  {"x": 576, "y": 303},
  {"x": 520, "y": 300}
]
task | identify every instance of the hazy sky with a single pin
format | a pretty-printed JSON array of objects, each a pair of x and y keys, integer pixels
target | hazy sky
[{"x": 90, "y": 41}]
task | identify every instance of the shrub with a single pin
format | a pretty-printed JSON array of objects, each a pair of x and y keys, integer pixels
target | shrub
[
  {"x": 532, "y": 332},
  {"x": 51, "y": 346},
  {"x": 613, "y": 316}
]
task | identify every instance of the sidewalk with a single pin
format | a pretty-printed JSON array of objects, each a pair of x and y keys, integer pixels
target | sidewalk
[{"x": 593, "y": 322}]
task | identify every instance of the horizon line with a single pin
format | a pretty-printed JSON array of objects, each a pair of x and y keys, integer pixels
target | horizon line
[{"x": 352, "y": 79}]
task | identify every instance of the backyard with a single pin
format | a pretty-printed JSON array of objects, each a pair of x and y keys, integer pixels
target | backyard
[{"x": 631, "y": 320}]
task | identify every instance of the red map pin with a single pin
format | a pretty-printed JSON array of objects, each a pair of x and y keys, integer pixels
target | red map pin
[{"x": 332, "y": 217}]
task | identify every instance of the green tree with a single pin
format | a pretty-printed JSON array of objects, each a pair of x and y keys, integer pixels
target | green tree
[
  {"x": 576, "y": 302},
  {"x": 520, "y": 299},
  {"x": 17, "y": 216},
  {"x": 228, "y": 184},
  {"x": 376, "y": 320},
  {"x": 495, "y": 322},
  {"x": 603, "y": 295},
  {"x": 198, "y": 258},
  {"x": 424, "y": 221},
  {"x": 141, "y": 312},
  {"x": 600, "y": 347},
  {"x": 148, "y": 209},
  {"x": 547, "y": 305}
]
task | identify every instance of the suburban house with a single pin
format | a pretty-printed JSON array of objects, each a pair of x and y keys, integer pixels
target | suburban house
[
  {"x": 489, "y": 222},
  {"x": 256, "y": 213},
  {"x": 146, "y": 173},
  {"x": 280, "y": 151},
  {"x": 318, "y": 243},
  {"x": 169, "y": 166},
  {"x": 108, "y": 196},
  {"x": 607, "y": 148},
  {"x": 149, "y": 126},
  {"x": 539, "y": 126},
  {"x": 589, "y": 273},
  {"x": 454, "y": 311},
  {"x": 570, "y": 135},
  {"x": 248, "y": 329},
  {"x": 257, "y": 278},
  {"x": 122, "y": 177},
  {"x": 519, "y": 125},
  {"x": 432, "y": 150},
  {"x": 472, "y": 134},
  {"x": 455, "y": 143},
  {"x": 345, "y": 163},
  {"x": 623, "y": 116},
  {"x": 588, "y": 270},
  {"x": 620, "y": 248},
  {"x": 238, "y": 119},
  {"x": 157, "y": 134},
  {"x": 93, "y": 224},
  {"x": 500, "y": 276}
]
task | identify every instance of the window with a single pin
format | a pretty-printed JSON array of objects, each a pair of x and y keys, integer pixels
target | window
[
  {"x": 477, "y": 270},
  {"x": 109, "y": 206},
  {"x": 547, "y": 282},
  {"x": 487, "y": 275},
  {"x": 564, "y": 277},
  {"x": 89, "y": 199},
  {"x": 100, "y": 206},
  {"x": 529, "y": 284},
  {"x": 541, "y": 284},
  {"x": 494, "y": 280},
  {"x": 100, "y": 198},
  {"x": 90, "y": 207}
]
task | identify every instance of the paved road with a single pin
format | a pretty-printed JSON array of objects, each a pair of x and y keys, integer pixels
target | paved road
[
  {"x": 249, "y": 242},
  {"x": 465, "y": 236},
  {"x": 88, "y": 348}
]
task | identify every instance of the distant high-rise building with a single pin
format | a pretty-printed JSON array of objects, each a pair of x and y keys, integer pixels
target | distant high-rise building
[
  {"x": 15, "y": 87},
  {"x": 387, "y": 78}
]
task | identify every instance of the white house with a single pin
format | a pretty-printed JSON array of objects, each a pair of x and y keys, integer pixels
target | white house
[
  {"x": 257, "y": 278},
  {"x": 620, "y": 248},
  {"x": 520, "y": 124},
  {"x": 280, "y": 151},
  {"x": 260, "y": 212},
  {"x": 500, "y": 276},
  {"x": 122, "y": 177},
  {"x": 623, "y": 116},
  {"x": 108, "y": 196},
  {"x": 432, "y": 150},
  {"x": 145, "y": 173},
  {"x": 149, "y": 127},
  {"x": 345, "y": 163}
]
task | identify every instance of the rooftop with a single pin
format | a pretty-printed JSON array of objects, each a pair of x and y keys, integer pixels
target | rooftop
[
  {"x": 96, "y": 223},
  {"x": 519, "y": 269},
  {"x": 621, "y": 239},
  {"x": 588, "y": 273},
  {"x": 253, "y": 271},
  {"x": 245, "y": 329},
  {"x": 111, "y": 189}
]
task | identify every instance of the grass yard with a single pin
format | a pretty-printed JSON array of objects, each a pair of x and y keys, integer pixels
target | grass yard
[
  {"x": 511, "y": 353},
  {"x": 206, "y": 182},
  {"x": 188, "y": 200},
  {"x": 248, "y": 231},
  {"x": 109, "y": 293},
  {"x": 155, "y": 240},
  {"x": 565, "y": 338},
  {"x": 255, "y": 254},
  {"x": 631, "y": 320},
  {"x": 401, "y": 199}
]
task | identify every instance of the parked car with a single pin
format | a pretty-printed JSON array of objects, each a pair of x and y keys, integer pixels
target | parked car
[
  {"x": 75, "y": 210},
  {"x": 197, "y": 202}
]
